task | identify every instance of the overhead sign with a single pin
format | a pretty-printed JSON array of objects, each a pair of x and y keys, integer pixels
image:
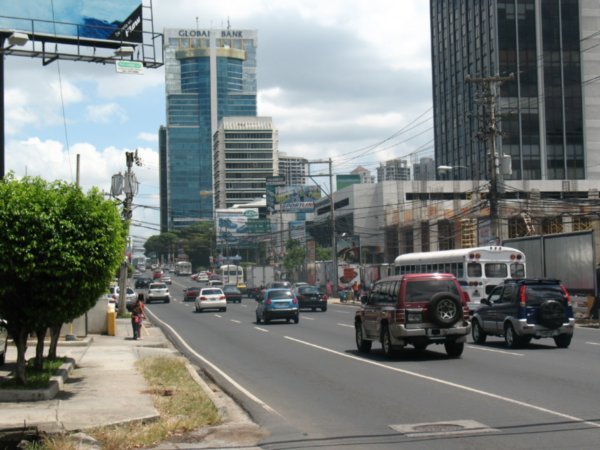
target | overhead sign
[
  {"x": 298, "y": 198},
  {"x": 135, "y": 67},
  {"x": 113, "y": 20},
  {"x": 233, "y": 224}
]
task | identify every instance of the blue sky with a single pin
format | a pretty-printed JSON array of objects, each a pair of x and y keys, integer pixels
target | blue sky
[{"x": 346, "y": 79}]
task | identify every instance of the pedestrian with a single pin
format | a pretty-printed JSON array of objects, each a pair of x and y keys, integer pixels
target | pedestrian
[
  {"x": 137, "y": 316},
  {"x": 329, "y": 288},
  {"x": 355, "y": 291}
]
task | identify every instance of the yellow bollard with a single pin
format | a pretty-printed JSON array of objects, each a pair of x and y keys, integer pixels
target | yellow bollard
[{"x": 111, "y": 319}]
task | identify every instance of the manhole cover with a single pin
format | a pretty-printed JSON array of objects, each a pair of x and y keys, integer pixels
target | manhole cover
[{"x": 437, "y": 428}]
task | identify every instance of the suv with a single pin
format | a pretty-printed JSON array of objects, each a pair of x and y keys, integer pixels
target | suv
[
  {"x": 414, "y": 309},
  {"x": 524, "y": 309},
  {"x": 158, "y": 292}
]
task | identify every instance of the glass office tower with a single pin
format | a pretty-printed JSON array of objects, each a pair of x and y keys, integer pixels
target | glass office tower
[
  {"x": 541, "y": 112},
  {"x": 210, "y": 74}
]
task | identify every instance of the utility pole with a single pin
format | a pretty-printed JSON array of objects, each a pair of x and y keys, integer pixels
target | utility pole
[{"x": 490, "y": 131}]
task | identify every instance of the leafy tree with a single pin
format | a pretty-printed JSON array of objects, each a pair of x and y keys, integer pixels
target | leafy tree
[
  {"x": 161, "y": 244},
  {"x": 294, "y": 258},
  {"x": 323, "y": 254},
  {"x": 59, "y": 249}
]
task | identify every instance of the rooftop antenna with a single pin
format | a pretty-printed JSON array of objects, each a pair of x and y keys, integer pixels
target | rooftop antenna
[
  {"x": 228, "y": 24},
  {"x": 197, "y": 26}
]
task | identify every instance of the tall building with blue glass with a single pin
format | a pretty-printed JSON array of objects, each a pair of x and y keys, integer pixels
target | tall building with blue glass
[
  {"x": 549, "y": 114},
  {"x": 210, "y": 74}
]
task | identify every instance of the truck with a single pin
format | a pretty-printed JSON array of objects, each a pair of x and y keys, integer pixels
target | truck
[
  {"x": 257, "y": 276},
  {"x": 183, "y": 268},
  {"x": 568, "y": 257}
]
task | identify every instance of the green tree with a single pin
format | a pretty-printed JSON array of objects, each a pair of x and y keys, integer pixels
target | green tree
[
  {"x": 323, "y": 254},
  {"x": 295, "y": 255},
  {"x": 161, "y": 244},
  {"x": 59, "y": 249}
]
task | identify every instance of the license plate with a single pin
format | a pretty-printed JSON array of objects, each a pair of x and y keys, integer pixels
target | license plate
[{"x": 546, "y": 333}]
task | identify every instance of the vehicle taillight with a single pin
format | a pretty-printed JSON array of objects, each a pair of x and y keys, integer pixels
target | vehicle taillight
[
  {"x": 523, "y": 296},
  {"x": 203, "y": 298},
  {"x": 221, "y": 297},
  {"x": 567, "y": 296},
  {"x": 324, "y": 297},
  {"x": 268, "y": 301},
  {"x": 301, "y": 297},
  {"x": 294, "y": 301}
]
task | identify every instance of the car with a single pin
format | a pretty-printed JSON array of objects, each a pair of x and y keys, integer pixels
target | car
[
  {"x": 525, "y": 309},
  {"x": 297, "y": 284},
  {"x": 414, "y": 309},
  {"x": 202, "y": 277},
  {"x": 113, "y": 294},
  {"x": 310, "y": 297},
  {"x": 166, "y": 279},
  {"x": 190, "y": 294},
  {"x": 3, "y": 341},
  {"x": 215, "y": 282},
  {"x": 211, "y": 298},
  {"x": 277, "y": 303},
  {"x": 142, "y": 282},
  {"x": 242, "y": 287},
  {"x": 157, "y": 292},
  {"x": 232, "y": 293},
  {"x": 279, "y": 284}
]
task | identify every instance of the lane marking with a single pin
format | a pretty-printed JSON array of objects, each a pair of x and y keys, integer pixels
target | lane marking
[
  {"x": 593, "y": 343},
  {"x": 261, "y": 329},
  {"x": 218, "y": 315},
  {"x": 345, "y": 325},
  {"x": 504, "y": 352},
  {"x": 448, "y": 383},
  {"x": 215, "y": 368},
  {"x": 235, "y": 321},
  {"x": 307, "y": 318}
]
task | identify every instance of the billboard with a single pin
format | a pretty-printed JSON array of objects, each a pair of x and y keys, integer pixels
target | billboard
[
  {"x": 348, "y": 249},
  {"x": 232, "y": 225},
  {"x": 299, "y": 198},
  {"x": 112, "y": 20},
  {"x": 343, "y": 181}
]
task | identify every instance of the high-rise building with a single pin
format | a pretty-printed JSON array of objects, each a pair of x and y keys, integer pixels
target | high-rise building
[
  {"x": 244, "y": 155},
  {"x": 210, "y": 74},
  {"x": 293, "y": 168},
  {"x": 424, "y": 169},
  {"x": 365, "y": 175},
  {"x": 393, "y": 169},
  {"x": 548, "y": 113}
]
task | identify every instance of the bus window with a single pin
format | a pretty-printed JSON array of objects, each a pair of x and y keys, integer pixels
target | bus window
[
  {"x": 474, "y": 270},
  {"x": 517, "y": 270},
  {"x": 496, "y": 270},
  {"x": 458, "y": 270}
]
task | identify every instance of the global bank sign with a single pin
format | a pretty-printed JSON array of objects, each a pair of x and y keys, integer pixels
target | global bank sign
[{"x": 206, "y": 33}]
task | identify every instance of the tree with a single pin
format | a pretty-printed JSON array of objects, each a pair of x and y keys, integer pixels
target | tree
[
  {"x": 323, "y": 254},
  {"x": 59, "y": 249},
  {"x": 295, "y": 255}
]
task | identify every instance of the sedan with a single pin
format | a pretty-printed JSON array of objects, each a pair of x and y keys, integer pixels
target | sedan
[
  {"x": 166, "y": 279},
  {"x": 311, "y": 297},
  {"x": 232, "y": 293},
  {"x": 277, "y": 304},
  {"x": 211, "y": 298},
  {"x": 190, "y": 294}
]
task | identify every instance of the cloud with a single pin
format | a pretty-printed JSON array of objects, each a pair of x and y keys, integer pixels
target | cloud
[
  {"x": 149, "y": 137},
  {"x": 106, "y": 113}
]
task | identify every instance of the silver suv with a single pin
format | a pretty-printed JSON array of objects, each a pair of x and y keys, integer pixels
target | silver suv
[
  {"x": 417, "y": 310},
  {"x": 158, "y": 292}
]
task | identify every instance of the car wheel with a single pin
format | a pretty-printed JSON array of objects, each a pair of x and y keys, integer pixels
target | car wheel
[
  {"x": 287, "y": 320},
  {"x": 197, "y": 309},
  {"x": 510, "y": 337},
  {"x": 454, "y": 349},
  {"x": 477, "y": 332},
  {"x": 551, "y": 314},
  {"x": 363, "y": 345},
  {"x": 313, "y": 309},
  {"x": 257, "y": 319},
  {"x": 386, "y": 342},
  {"x": 168, "y": 300},
  {"x": 445, "y": 309},
  {"x": 563, "y": 340},
  {"x": 265, "y": 318},
  {"x": 296, "y": 319},
  {"x": 224, "y": 309},
  {"x": 324, "y": 309}
]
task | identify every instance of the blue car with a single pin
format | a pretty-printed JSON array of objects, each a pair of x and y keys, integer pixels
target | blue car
[{"x": 277, "y": 304}]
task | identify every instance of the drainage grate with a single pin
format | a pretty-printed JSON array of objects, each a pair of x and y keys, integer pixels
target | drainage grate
[{"x": 452, "y": 427}]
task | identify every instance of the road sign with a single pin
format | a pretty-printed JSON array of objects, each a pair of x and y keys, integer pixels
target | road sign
[{"x": 135, "y": 67}]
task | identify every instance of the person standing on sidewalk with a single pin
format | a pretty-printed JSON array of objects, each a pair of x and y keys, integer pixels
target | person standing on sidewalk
[
  {"x": 355, "y": 291},
  {"x": 137, "y": 315}
]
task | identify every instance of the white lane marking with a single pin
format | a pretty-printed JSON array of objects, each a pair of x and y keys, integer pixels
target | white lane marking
[
  {"x": 339, "y": 311},
  {"x": 448, "y": 383},
  {"x": 345, "y": 325},
  {"x": 243, "y": 306},
  {"x": 504, "y": 352},
  {"x": 218, "y": 315},
  {"x": 593, "y": 343},
  {"x": 307, "y": 318},
  {"x": 261, "y": 329},
  {"x": 216, "y": 369},
  {"x": 235, "y": 321}
]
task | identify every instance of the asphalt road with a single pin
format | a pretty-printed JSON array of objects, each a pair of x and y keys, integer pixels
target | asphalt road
[{"x": 307, "y": 384}]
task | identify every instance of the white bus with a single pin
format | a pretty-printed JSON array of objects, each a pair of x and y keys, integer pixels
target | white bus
[
  {"x": 477, "y": 269},
  {"x": 183, "y": 268},
  {"x": 231, "y": 274}
]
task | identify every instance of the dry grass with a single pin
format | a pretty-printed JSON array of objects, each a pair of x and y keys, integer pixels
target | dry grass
[{"x": 181, "y": 402}]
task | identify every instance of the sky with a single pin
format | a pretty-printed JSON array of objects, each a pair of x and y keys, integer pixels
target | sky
[{"x": 343, "y": 79}]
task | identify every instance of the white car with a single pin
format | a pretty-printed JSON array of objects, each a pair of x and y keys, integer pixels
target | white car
[
  {"x": 158, "y": 292},
  {"x": 202, "y": 277},
  {"x": 211, "y": 298}
]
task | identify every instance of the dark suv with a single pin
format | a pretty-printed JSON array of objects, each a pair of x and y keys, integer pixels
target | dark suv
[
  {"x": 524, "y": 309},
  {"x": 417, "y": 310}
]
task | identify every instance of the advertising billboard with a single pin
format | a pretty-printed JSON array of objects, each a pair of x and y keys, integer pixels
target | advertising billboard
[
  {"x": 232, "y": 225},
  {"x": 297, "y": 198},
  {"x": 348, "y": 249},
  {"x": 112, "y": 20}
]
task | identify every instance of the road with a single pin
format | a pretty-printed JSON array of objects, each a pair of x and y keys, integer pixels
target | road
[{"x": 310, "y": 388}]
